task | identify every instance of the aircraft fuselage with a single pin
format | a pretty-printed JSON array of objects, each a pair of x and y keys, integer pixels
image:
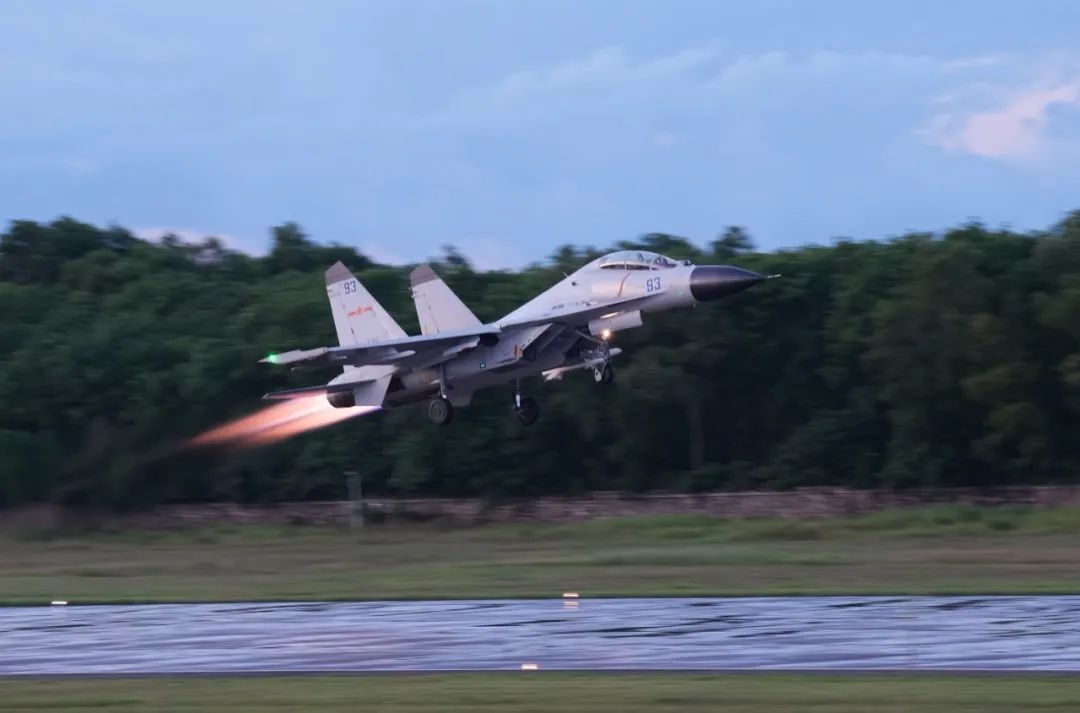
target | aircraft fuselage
[{"x": 568, "y": 326}]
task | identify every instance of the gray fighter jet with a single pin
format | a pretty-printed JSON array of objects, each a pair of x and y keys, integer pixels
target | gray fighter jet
[{"x": 565, "y": 328}]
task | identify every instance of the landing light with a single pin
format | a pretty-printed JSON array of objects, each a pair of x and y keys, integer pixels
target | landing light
[{"x": 605, "y": 335}]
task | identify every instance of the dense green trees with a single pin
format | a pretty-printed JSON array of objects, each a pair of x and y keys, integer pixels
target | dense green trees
[{"x": 919, "y": 360}]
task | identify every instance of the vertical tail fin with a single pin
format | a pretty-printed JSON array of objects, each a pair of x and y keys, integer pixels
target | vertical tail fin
[
  {"x": 358, "y": 318},
  {"x": 438, "y": 308}
]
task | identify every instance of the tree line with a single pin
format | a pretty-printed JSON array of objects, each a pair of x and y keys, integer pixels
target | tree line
[{"x": 917, "y": 360}]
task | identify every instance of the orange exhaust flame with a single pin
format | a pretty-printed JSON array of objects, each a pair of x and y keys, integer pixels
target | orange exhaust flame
[
  {"x": 277, "y": 422},
  {"x": 309, "y": 422},
  {"x": 260, "y": 420}
]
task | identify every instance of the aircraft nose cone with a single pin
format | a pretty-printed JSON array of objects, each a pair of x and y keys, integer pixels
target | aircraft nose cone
[{"x": 710, "y": 282}]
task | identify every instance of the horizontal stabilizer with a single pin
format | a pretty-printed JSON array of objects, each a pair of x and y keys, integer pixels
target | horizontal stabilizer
[
  {"x": 306, "y": 391},
  {"x": 371, "y": 393},
  {"x": 368, "y": 392}
]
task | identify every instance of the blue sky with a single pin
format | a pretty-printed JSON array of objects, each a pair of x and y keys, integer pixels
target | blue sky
[{"x": 507, "y": 128}]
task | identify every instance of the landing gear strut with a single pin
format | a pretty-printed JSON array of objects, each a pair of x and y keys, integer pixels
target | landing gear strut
[
  {"x": 439, "y": 411},
  {"x": 603, "y": 372},
  {"x": 526, "y": 408},
  {"x": 528, "y": 411}
]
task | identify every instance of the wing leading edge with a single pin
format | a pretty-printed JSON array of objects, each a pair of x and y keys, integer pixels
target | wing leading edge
[
  {"x": 578, "y": 314},
  {"x": 387, "y": 351}
]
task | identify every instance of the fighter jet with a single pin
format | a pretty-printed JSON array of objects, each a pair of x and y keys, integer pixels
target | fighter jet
[{"x": 568, "y": 327}]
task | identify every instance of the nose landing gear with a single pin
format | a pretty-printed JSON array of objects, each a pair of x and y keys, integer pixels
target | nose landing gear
[{"x": 600, "y": 357}]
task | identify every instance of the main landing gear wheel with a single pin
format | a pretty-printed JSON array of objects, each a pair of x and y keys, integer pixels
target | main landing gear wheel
[
  {"x": 604, "y": 375},
  {"x": 439, "y": 411},
  {"x": 528, "y": 410}
]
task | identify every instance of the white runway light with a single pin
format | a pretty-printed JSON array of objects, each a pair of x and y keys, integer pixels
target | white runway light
[
  {"x": 570, "y": 595},
  {"x": 59, "y": 603},
  {"x": 529, "y": 667}
]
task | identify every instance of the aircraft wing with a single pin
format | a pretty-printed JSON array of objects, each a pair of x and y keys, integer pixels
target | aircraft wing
[
  {"x": 578, "y": 314},
  {"x": 385, "y": 351},
  {"x": 434, "y": 348}
]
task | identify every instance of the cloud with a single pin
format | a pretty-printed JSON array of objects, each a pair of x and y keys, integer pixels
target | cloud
[
  {"x": 604, "y": 67},
  {"x": 616, "y": 143},
  {"x": 508, "y": 146},
  {"x": 609, "y": 83},
  {"x": 664, "y": 139},
  {"x": 490, "y": 254},
  {"x": 976, "y": 62},
  {"x": 1017, "y": 130}
]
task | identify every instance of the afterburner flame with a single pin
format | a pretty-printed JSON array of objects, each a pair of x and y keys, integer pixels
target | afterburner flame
[
  {"x": 303, "y": 424},
  {"x": 278, "y": 422}
]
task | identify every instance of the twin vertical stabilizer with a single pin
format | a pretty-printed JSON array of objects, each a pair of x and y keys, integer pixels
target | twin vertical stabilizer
[
  {"x": 438, "y": 308},
  {"x": 358, "y": 317}
]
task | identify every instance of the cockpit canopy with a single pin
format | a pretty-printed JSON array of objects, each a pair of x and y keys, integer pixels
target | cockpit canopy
[{"x": 636, "y": 260}]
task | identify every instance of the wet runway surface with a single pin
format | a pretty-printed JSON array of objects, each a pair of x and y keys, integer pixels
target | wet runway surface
[{"x": 753, "y": 634}]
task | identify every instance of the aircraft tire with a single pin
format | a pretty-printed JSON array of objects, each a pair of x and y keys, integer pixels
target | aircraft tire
[
  {"x": 606, "y": 375},
  {"x": 528, "y": 411},
  {"x": 440, "y": 411}
]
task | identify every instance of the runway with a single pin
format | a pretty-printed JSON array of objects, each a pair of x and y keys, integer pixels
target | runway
[{"x": 1035, "y": 634}]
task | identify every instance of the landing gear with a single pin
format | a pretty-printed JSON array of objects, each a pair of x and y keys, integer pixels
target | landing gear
[
  {"x": 603, "y": 372},
  {"x": 439, "y": 411},
  {"x": 526, "y": 408}
]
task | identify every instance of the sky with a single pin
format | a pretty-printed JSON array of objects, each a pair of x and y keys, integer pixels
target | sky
[{"x": 508, "y": 128}]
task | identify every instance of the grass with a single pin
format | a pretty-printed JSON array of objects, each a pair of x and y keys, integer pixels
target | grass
[
  {"x": 539, "y": 691},
  {"x": 947, "y": 550}
]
